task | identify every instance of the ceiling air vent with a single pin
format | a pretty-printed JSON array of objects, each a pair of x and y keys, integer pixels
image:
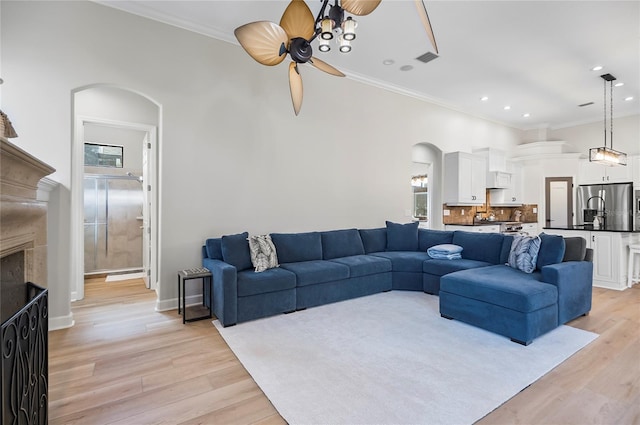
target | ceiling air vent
[
  {"x": 586, "y": 104},
  {"x": 427, "y": 57}
]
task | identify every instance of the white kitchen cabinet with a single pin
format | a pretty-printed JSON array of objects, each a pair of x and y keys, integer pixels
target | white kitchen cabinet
[
  {"x": 610, "y": 255},
  {"x": 594, "y": 173},
  {"x": 485, "y": 228},
  {"x": 530, "y": 228},
  {"x": 464, "y": 179},
  {"x": 512, "y": 195}
]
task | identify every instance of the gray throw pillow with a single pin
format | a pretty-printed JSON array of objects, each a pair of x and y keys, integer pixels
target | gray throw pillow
[
  {"x": 263, "y": 253},
  {"x": 524, "y": 253}
]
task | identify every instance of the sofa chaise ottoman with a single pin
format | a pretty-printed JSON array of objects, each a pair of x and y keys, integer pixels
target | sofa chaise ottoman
[{"x": 521, "y": 306}]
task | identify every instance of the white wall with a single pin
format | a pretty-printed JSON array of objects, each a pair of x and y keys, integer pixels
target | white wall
[
  {"x": 234, "y": 157},
  {"x": 626, "y": 135}
]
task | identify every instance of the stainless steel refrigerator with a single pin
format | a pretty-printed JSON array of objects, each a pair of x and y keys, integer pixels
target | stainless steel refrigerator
[{"x": 611, "y": 203}]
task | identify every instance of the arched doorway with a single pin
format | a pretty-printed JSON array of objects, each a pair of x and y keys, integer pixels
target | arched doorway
[{"x": 120, "y": 110}]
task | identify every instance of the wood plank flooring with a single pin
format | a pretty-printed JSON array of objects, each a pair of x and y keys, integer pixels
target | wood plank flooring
[{"x": 124, "y": 363}]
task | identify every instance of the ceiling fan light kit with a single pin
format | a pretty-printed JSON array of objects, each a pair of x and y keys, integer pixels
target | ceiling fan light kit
[
  {"x": 268, "y": 43},
  {"x": 603, "y": 154}
]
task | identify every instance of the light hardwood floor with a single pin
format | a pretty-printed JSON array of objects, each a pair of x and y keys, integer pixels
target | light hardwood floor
[{"x": 124, "y": 363}]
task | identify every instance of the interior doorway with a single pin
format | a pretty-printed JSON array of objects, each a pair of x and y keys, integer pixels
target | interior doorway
[
  {"x": 106, "y": 110},
  {"x": 558, "y": 201},
  {"x": 114, "y": 216}
]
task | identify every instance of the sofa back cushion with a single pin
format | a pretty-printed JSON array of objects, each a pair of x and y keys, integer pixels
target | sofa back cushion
[
  {"x": 507, "y": 241},
  {"x": 374, "y": 240},
  {"x": 575, "y": 249},
  {"x": 235, "y": 250},
  {"x": 402, "y": 237},
  {"x": 341, "y": 243},
  {"x": 551, "y": 250},
  {"x": 213, "y": 248},
  {"x": 428, "y": 238},
  {"x": 296, "y": 247},
  {"x": 480, "y": 246}
]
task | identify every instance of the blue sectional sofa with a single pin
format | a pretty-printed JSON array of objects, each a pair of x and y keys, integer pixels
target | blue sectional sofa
[{"x": 322, "y": 267}]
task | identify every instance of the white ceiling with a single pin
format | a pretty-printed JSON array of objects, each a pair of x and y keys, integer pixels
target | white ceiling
[{"x": 535, "y": 56}]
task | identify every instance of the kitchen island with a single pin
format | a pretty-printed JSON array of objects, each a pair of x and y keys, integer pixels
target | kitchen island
[{"x": 610, "y": 252}]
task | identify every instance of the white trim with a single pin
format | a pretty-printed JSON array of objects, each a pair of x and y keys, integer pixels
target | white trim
[
  {"x": 61, "y": 322},
  {"x": 172, "y": 304}
]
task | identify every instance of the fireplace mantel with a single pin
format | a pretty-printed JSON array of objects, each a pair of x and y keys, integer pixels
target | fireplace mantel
[{"x": 23, "y": 217}]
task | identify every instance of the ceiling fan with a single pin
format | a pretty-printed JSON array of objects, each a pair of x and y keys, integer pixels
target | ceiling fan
[{"x": 268, "y": 43}]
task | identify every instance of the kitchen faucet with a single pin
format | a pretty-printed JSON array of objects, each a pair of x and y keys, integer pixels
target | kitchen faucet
[{"x": 604, "y": 205}]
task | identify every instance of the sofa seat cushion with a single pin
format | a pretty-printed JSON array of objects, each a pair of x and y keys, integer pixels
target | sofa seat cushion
[
  {"x": 317, "y": 271},
  {"x": 503, "y": 286},
  {"x": 271, "y": 280},
  {"x": 439, "y": 267},
  {"x": 365, "y": 265},
  {"x": 404, "y": 261}
]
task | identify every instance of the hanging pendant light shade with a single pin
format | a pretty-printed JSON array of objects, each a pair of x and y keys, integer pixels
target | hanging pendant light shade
[{"x": 607, "y": 155}]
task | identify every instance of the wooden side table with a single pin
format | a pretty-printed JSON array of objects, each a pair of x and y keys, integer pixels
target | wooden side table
[{"x": 188, "y": 274}]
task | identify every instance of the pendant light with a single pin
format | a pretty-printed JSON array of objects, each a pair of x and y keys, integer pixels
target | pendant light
[{"x": 607, "y": 155}]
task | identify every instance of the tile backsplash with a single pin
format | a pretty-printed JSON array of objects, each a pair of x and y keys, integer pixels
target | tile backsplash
[{"x": 465, "y": 215}]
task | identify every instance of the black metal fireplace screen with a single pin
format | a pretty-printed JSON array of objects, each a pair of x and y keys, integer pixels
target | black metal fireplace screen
[{"x": 25, "y": 361}]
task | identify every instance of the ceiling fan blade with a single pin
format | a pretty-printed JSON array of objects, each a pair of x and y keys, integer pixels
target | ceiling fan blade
[
  {"x": 298, "y": 21},
  {"x": 360, "y": 7},
  {"x": 323, "y": 66},
  {"x": 264, "y": 41},
  {"x": 295, "y": 85},
  {"x": 422, "y": 12}
]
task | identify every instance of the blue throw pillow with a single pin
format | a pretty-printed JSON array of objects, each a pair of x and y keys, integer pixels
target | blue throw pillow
[
  {"x": 402, "y": 237},
  {"x": 551, "y": 250},
  {"x": 235, "y": 251}
]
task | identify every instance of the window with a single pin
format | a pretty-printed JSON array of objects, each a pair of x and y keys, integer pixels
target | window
[
  {"x": 96, "y": 155},
  {"x": 419, "y": 184}
]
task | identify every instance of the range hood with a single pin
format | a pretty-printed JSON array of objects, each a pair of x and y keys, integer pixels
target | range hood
[{"x": 498, "y": 180}]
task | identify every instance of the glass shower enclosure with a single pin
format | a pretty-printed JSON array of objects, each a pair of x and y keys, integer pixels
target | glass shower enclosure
[{"x": 112, "y": 223}]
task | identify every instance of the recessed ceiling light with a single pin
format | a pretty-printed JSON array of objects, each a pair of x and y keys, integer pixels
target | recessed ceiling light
[
  {"x": 388, "y": 62},
  {"x": 597, "y": 68},
  {"x": 484, "y": 98},
  {"x": 506, "y": 108},
  {"x": 628, "y": 98},
  {"x": 526, "y": 115},
  {"x": 619, "y": 84},
  {"x": 406, "y": 68}
]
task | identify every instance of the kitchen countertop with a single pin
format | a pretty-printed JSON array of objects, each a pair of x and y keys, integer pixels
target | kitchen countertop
[
  {"x": 589, "y": 228},
  {"x": 487, "y": 223}
]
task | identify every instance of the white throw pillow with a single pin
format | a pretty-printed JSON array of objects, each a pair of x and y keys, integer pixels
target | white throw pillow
[{"x": 263, "y": 253}]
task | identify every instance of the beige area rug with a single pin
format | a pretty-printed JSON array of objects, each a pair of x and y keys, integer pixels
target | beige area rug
[{"x": 390, "y": 359}]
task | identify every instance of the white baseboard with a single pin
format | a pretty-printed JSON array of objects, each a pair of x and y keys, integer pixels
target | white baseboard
[
  {"x": 61, "y": 322},
  {"x": 172, "y": 304}
]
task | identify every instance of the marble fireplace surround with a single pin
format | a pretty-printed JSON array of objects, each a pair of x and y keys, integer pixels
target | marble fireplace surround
[{"x": 23, "y": 216}]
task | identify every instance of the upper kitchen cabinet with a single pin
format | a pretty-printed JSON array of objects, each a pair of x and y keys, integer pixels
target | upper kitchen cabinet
[
  {"x": 497, "y": 177},
  {"x": 593, "y": 173},
  {"x": 512, "y": 195},
  {"x": 464, "y": 179}
]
